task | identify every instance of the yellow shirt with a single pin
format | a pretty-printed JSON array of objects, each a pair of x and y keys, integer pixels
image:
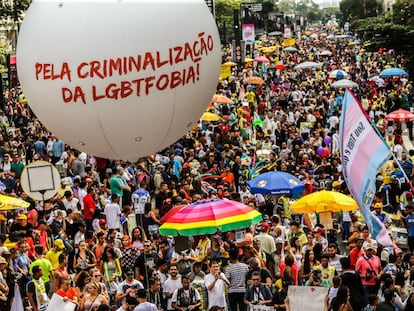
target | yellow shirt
[{"x": 53, "y": 257}]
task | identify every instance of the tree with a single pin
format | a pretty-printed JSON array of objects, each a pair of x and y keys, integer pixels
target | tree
[
  {"x": 224, "y": 16},
  {"x": 357, "y": 9},
  {"x": 403, "y": 12}
]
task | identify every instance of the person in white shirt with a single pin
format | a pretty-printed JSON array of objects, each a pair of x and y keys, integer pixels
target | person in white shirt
[
  {"x": 112, "y": 213},
  {"x": 172, "y": 283},
  {"x": 215, "y": 282}
]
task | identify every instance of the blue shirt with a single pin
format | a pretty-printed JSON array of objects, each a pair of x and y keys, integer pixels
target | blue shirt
[{"x": 410, "y": 224}]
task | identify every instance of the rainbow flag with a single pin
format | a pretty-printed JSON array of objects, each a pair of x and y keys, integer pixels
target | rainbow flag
[{"x": 363, "y": 153}]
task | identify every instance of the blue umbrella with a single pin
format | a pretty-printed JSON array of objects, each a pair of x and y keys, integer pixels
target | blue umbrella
[
  {"x": 338, "y": 74},
  {"x": 393, "y": 72},
  {"x": 276, "y": 183}
]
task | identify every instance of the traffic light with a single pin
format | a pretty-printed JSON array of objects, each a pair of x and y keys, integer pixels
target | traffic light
[{"x": 248, "y": 50}]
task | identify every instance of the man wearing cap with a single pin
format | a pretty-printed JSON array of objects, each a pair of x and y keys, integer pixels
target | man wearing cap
[
  {"x": 385, "y": 219},
  {"x": 21, "y": 225},
  {"x": 53, "y": 254},
  {"x": 319, "y": 239},
  {"x": 369, "y": 267},
  {"x": 128, "y": 287},
  {"x": 267, "y": 242}
]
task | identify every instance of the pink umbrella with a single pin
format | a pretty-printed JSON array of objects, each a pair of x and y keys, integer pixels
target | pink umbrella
[
  {"x": 400, "y": 115},
  {"x": 261, "y": 59}
]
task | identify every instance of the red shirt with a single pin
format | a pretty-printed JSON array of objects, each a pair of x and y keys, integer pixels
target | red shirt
[
  {"x": 354, "y": 255},
  {"x": 295, "y": 271},
  {"x": 70, "y": 294},
  {"x": 89, "y": 207}
]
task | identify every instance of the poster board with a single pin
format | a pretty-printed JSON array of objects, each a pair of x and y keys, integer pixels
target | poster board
[
  {"x": 300, "y": 296},
  {"x": 57, "y": 303}
]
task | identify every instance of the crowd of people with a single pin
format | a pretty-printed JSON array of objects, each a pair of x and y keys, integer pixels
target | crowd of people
[{"x": 96, "y": 243}]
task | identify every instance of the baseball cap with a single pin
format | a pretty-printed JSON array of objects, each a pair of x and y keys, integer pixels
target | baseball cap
[
  {"x": 265, "y": 226},
  {"x": 102, "y": 221},
  {"x": 369, "y": 246},
  {"x": 380, "y": 178},
  {"x": 279, "y": 241},
  {"x": 336, "y": 184},
  {"x": 378, "y": 205},
  {"x": 59, "y": 243},
  {"x": 21, "y": 217}
]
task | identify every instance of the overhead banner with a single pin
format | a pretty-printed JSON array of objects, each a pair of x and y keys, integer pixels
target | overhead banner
[
  {"x": 301, "y": 296},
  {"x": 248, "y": 33}
]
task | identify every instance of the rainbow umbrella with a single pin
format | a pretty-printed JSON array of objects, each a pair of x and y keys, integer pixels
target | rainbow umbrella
[{"x": 208, "y": 216}]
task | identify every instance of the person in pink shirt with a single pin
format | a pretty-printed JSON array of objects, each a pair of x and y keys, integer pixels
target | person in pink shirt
[{"x": 369, "y": 268}]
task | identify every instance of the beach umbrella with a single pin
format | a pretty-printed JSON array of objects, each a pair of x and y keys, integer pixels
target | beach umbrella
[
  {"x": 344, "y": 83},
  {"x": 325, "y": 53},
  {"x": 275, "y": 33},
  {"x": 229, "y": 64},
  {"x": 221, "y": 99},
  {"x": 210, "y": 117},
  {"x": 261, "y": 59},
  {"x": 307, "y": 65},
  {"x": 276, "y": 183},
  {"x": 11, "y": 203},
  {"x": 208, "y": 216},
  {"x": 338, "y": 74},
  {"x": 280, "y": 66},
  {"x": 253, "y": 80},
  {"x": 392, "y": 72},
  {"x": 400, "y": 115},
  {"x": 324, "y": 201},
  {"x": 290, "y": 49}
]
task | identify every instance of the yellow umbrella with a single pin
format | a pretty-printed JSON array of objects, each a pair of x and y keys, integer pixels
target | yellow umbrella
[
  {"x": 324, "y": 201},
  {"x": 248, "y": 59},
  {"x": 210, "y": 117},
  {"x": 229, "y": 64},
  {"x": 10, "y": 203}
]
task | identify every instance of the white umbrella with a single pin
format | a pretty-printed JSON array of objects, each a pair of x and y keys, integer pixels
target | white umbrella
[
  {"x": 325, "y": 53},
  {"x": 307, "y": 65},
  {"x": 344, "y": 83}
]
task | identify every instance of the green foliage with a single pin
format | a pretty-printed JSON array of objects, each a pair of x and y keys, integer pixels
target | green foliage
[
  {"x": 353, "y": 10},
  {"x": 390, "y": 32},
  {"x": 224, "y": 15}
]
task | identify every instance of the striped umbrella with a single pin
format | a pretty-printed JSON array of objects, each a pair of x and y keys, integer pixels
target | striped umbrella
[{"x": 208, "y": 216}]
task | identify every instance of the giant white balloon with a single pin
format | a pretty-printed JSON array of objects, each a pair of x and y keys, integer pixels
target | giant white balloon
[{"x": 119, "y": 79}]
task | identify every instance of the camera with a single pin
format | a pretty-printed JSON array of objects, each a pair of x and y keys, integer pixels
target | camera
[{"x": 369, "y": 274}]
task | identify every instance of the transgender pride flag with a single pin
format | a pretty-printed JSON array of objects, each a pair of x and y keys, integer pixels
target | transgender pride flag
[{"x": 363, "y": 152}]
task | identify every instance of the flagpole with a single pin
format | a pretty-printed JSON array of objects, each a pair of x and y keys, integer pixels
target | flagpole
[{"x": 374, "y": 126}]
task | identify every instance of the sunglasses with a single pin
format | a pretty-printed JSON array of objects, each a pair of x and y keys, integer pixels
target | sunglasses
[{"x": 96, "y": 275}]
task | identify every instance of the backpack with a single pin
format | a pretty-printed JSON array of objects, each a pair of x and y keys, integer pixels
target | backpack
[
  {"x": 184, "y": 266},
  {"x": 186, "y": 301}
]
